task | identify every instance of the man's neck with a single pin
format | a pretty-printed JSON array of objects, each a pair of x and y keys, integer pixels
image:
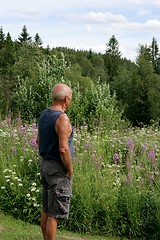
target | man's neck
[{"x": 59, "y": 107}]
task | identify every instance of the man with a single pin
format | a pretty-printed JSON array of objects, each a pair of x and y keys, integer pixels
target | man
[{"x": 55, "y": 135}]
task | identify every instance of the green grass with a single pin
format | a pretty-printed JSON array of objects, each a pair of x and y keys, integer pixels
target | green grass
[{"x": 13, "y": 229}]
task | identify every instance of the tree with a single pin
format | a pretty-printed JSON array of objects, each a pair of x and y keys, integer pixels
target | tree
[
  {"x": 112, "y": 58},
  {"x": 139, "y": 103},
  {"x": 2, "y": 38},
  {"x": 38, "y": 40},
  {"x": 154, "y": 55},
  {"x": 24, "y": 36}
]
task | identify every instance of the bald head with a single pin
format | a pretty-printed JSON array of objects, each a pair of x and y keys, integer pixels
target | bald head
[{"x": 60, "y": 91}]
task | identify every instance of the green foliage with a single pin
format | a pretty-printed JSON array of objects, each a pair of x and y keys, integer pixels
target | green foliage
[
  {"x": 115, "y": 184},
  {"x": 33, "y": 95},
  {"x": 135, "y": 84},
  {"x": 143, "y": 95}
]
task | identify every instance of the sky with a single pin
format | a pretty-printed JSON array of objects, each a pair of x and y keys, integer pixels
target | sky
[{"x": 85, "y": 24}]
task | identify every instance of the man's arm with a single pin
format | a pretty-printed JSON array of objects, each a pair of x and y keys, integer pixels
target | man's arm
[{"x": 63, "y": 129}]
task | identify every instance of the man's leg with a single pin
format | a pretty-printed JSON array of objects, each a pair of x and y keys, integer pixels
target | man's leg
[
  {"x": 51, "y": 228},
  {"x": 43, "y": 224}
]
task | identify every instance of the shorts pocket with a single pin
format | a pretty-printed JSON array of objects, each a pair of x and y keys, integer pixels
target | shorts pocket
[
  {"x": 63, "y": 201},
  {"x": 63, "y": 193}
]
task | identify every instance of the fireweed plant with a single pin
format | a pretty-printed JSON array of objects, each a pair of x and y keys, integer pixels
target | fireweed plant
[{"x": 115, "y": 185}]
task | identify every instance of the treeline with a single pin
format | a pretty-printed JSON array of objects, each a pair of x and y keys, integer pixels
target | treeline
[{"x": 28, "y": 71}]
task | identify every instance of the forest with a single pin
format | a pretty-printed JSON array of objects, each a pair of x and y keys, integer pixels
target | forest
[{"x": 28, "y": 71}]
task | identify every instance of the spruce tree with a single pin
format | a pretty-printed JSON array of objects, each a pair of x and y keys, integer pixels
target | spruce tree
[
  {"x": 24, "y": 36},
  {"x": 112, "y": 58},
  {"x": 38, "y": 40},
  {"x": 155, "y": 55},
  {"x": 2, "y": 38}
]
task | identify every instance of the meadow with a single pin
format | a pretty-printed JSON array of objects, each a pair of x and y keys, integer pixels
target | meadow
[{"x": 115, "y": 184}]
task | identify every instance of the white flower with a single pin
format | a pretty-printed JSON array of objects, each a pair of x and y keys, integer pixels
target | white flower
[
  {"x": 34, "y": 184},
  {"x": 28, "y": 195},
  {"x": 20, "y": 184},
  {"x": 33, "y": 199},
  {"x": 3, "y": 187},
  {"x": 30, "y": 160},
  {"x": 6, "y": 176},
  {"x": 35, "y": 205},
  {"x": 38, "y": 174},
  {"x": 8, "y": 180},
  {"x": 6, "y": 170},
  {"x": 11, "y": 183},
  {"x": 37, "y": 190},
  {"x": 33, "y": 189}
]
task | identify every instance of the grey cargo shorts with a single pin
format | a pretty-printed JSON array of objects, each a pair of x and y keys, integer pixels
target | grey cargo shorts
[{"x": 56, "y": 191}]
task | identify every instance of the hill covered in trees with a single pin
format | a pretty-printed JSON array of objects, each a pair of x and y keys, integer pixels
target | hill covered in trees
[{"x": 28, "y": 71}]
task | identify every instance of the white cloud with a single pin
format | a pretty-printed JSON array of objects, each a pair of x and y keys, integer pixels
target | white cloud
[
  {"x": 151, "y": 25},
  {"x": 142, "y": 2},
  {"x": 100, "y": 17},
  {"x": 157, "y": 3},
  {"x": 91, "y": 23},
  {"x": 88, "y": 28},
  {"x": 143, "y": 12}
]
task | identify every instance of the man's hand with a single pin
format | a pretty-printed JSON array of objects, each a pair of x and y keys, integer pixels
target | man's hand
[{"x": 69, "y": 174}]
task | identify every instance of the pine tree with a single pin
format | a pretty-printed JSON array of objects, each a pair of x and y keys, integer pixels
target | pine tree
[
  {"x": 112, "y": 58},
  {"x": 154, "y": 55},
  {"x": 113, "y": 47},
  {"x": 24, "y": 36},
  {"x": 2, "y": 38},
  {"x": 8, "y": 39},
  {"x": 38, "y": 40}
]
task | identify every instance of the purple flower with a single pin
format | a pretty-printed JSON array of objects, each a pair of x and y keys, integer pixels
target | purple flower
[
  {"x": 144, "y": 147},
  {"x": 130, "y": 144},
  {"x": 22, "y": 129},
  {"x": 155, "y": 146},
  {"x": 129, "y": 177},
  {"x": 116, "y": 157},
  {"x": 33, "y": 142},
  {"x": 86, "y": 146},
  {"x": 151, "y": 155}
]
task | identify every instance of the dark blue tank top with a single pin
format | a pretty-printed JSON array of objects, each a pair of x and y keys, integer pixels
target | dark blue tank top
[{"x": 48, "y": 138}]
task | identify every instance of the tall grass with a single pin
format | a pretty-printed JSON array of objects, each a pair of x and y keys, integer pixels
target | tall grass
[{"x": 115, "y": 185}]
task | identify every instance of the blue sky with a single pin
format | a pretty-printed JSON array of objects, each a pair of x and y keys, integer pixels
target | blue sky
[{"x": 85, "y": 24}]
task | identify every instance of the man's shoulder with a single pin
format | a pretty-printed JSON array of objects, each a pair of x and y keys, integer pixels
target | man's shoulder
[{"x": 63, "y": 118}]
